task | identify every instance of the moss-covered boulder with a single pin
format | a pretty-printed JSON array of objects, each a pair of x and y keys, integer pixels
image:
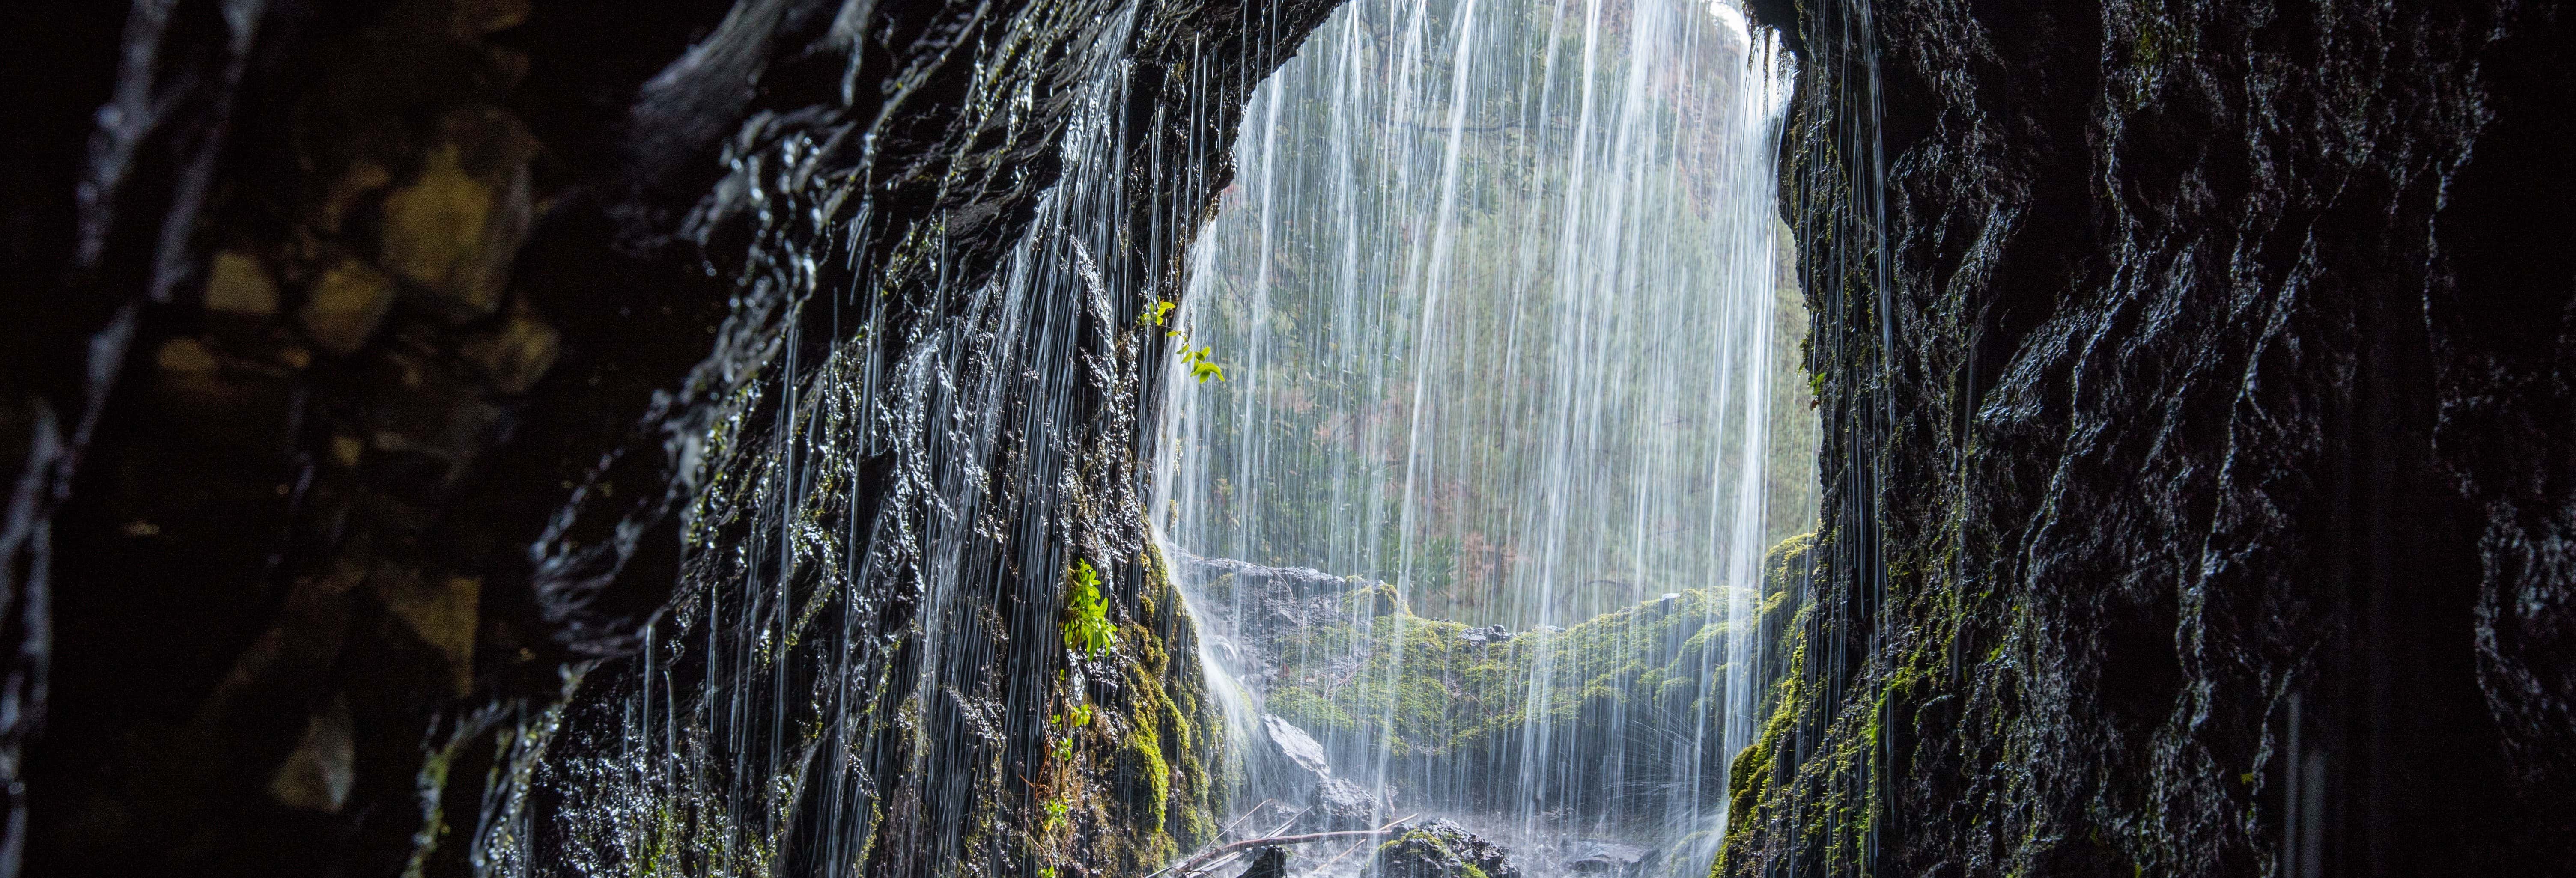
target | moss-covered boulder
[{"x": 1441, "y": 849}]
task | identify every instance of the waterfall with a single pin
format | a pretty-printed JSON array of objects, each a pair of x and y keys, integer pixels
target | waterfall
[{"x": 1488, "y": 320}]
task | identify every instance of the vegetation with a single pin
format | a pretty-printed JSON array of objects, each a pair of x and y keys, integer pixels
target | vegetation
[
  {"x": 1438, "y": 692},
  {"x": 1086, "y": 626},
  {"x": 1128, "y": 779}
]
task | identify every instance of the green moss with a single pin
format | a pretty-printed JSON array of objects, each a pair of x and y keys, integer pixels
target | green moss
[
  {"x": 1758, "y": 770},
  {"x": 1137, "y": 782},
  {"x": 1149, "y": 779},
  {"x": 1434, "y": 693}
]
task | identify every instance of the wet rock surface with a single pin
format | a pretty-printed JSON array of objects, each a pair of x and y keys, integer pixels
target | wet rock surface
[
  {"x": 1604, "y": 858},
  {"x": 1441, "y": 849},
  {"x": 1270, "y": 863},
  {"x": 411, "y": 287},
  {"x": 2186, "y": 374},
  {"x": 1300, "y": 779}
]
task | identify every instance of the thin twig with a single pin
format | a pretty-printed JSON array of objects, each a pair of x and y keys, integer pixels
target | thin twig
[
  {"x": 1338, "y": 857},
  {"x": 1217, "y": 863},
  {"x": 1246, "y": 816}
]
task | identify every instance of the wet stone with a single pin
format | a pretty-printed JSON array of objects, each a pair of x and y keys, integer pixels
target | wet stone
[
  {"x": 1302, "y": 581},
  {"x": 1271, "y": 863},
  {"x": 1294, "y": 744},
  {"x": 1442, "y": 849},
  {"x": 1340, "y": 804},
  {"x": 220, "y": 399},
  {"x": 1605, "y": 858}
]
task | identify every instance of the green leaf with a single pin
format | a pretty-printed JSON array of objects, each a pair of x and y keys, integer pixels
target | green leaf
[{"x": 1087, "y": 629}]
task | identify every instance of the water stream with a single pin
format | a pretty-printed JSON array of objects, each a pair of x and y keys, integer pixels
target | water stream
[{"x": 1473, "y": 494}]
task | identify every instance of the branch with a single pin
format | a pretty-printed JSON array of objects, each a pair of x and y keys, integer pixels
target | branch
[{"x": 1202, "y": 859}]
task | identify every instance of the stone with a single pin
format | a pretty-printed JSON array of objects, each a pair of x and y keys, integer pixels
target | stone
[
  {"x": 1608, "y": 858},
  {"x": 1340, "y": 804},
  {"x": 453, "y": 230},
  {"x": 238, "y": 284},
  {"x": 346, "y": 305},
  {"x": 1306, "y": 778},
  {"x": 318, "y": 775},
  {"x": 1272, "y": 862},
  {"x": 1302, "y": 581},
  {"x": 1294, "y": 744},
  {"x": 223, "y": 400},
  {"x": 1441, "y": 849}
]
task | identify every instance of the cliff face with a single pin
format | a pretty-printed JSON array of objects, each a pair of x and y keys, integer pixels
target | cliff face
[
  {"x": 2196, "y": 408},
  {"x": 428, "y": 343}
]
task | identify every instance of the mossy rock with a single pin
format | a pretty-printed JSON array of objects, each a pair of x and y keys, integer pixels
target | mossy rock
[{"x": 1441, "y": 849}]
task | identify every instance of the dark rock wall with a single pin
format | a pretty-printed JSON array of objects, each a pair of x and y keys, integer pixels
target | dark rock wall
[
  {"x": 398, "y": 320},
  {"x": 2196, "y": 465}
]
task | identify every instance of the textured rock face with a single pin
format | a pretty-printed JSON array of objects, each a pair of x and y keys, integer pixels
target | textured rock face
[
  {"x": 2196, "y": 425},
  {"x": 423, "y": 302},
  {"x": 1441, "y": 849}
]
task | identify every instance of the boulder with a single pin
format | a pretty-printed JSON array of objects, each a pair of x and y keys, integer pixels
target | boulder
[
  {"x": 1339, "y": 805},
  {"x": 1441, "y": 849},
  {"x": 1272, "y": 862},
  {"x": 1295, "y": 745},
  {"x": 1328, "y": 802}
]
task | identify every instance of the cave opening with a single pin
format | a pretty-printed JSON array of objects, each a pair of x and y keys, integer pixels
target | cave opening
[{"x": 1489, "y": 403}]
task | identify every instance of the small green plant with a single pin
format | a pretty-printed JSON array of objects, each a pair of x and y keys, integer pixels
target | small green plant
[
  {"x": 1055, "y": 811},
  {"x": 1200, "y": 368},
  {"x": 1087, "y": 630},
  {"x": 1196, "y": 358},
  {"x": 1079, "y": 716}
]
